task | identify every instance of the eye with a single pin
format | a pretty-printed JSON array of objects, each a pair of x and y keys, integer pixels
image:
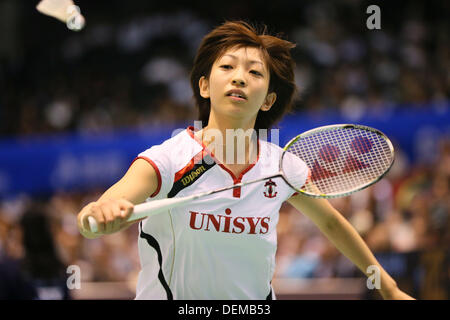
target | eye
[
  {"x": 226, "y": 66},
  {"x": 256, "y": 72}
]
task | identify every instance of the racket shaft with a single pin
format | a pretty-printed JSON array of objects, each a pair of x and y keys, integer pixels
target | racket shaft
[{"x": 155, "y": 207}]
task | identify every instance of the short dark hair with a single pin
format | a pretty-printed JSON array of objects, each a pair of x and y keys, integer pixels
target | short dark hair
[{"x": 276, "y": 53}]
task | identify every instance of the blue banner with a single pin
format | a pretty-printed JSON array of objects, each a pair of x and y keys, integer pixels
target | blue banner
[{"x": 44, "y": 164}]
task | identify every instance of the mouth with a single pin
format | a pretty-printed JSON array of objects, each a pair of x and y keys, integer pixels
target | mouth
[{"x": 237, "y": 95}]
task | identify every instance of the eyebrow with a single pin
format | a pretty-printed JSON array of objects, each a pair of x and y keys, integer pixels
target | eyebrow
[{"x": 251, "y": 61}]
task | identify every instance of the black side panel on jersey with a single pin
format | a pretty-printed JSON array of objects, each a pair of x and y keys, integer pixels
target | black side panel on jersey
[
  {"x": 189, "y": 177},
  {"x": 269, "y": 296},
  {"x": 155, "y": 245}
]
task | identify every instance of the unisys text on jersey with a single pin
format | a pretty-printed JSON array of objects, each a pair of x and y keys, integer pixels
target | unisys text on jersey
[{"x": 228, "y": 224}]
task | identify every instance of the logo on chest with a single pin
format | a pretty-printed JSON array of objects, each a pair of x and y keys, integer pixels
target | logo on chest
[
  {"x": 270, "y": 191},
  {"x": 228, "y": 224}
]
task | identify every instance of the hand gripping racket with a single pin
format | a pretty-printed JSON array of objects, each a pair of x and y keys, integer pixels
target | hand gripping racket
[{"x": 341, "y": 159}]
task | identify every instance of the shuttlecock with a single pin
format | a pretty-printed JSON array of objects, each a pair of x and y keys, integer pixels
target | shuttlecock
[{"x": 63, "y": 10}]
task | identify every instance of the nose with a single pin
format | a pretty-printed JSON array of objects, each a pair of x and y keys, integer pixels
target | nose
[
  {"x": 238, "y": 78},
  {"x": 238, "y": 82}
]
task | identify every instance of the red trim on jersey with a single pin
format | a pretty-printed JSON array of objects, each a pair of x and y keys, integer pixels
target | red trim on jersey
[
  {"x": 236, "y": 180},
  {"x": 158, "y": 174}
]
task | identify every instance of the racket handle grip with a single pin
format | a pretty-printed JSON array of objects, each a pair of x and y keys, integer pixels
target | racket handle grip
[{"x": 148, "y": 209}]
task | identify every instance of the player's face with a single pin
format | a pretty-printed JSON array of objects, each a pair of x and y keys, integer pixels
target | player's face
[{"x": 238, "y": 84}]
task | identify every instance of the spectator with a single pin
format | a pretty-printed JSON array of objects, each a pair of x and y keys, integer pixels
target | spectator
[{"x": 39, "y": 274}]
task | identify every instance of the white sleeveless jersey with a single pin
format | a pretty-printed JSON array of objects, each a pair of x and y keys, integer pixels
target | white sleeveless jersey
[{"x": 221, "y": 246}]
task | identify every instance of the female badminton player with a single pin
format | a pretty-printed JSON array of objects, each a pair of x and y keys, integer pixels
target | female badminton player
[{"x": 222, "y": 246}]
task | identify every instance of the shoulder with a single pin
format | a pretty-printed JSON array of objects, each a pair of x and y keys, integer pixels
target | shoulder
[
  {"x": 178, "y": 145},
  {"x": 179, "y": 139},
  {"x": 270, "y": 145},
  {"x": 174, "y": 153},
  {"x": 169, "y": 157},
  {"x": 269, "y": 150},
  {"x": 276, "y": 151}
]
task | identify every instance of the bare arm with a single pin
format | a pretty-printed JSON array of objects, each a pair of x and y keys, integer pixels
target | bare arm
[
  {"x": 115, "y": 205},
  {"x": 346, "y": 239}
]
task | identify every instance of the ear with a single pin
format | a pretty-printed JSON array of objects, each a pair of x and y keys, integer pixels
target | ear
[
  {"x": 203, "y": 84},
  {"x": 269, "y": 101}
]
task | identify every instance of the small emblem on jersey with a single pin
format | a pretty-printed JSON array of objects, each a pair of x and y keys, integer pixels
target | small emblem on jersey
[{"x": 270, "y": 189}]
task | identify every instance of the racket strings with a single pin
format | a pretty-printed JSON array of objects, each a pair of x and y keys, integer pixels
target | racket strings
[{"x": 342, "y": 160}]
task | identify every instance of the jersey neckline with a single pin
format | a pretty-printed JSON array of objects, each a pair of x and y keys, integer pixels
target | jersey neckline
[{"x": 190, "y": 130}]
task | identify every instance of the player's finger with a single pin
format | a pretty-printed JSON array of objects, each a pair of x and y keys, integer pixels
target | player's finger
[
  {"x": 97, "y": 214},
  {"x": 118, "y": 220},
  {"x": 109, "y": 218},
  {"x": 126, "y": 208}
]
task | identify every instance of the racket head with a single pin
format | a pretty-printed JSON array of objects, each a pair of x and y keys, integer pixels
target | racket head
[{"x": 342, "y": 159}]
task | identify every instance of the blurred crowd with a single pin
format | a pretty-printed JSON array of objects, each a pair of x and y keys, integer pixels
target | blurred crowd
[
  {"x": 133, "y": 69},
  {"x": 110, "y": 258}
]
